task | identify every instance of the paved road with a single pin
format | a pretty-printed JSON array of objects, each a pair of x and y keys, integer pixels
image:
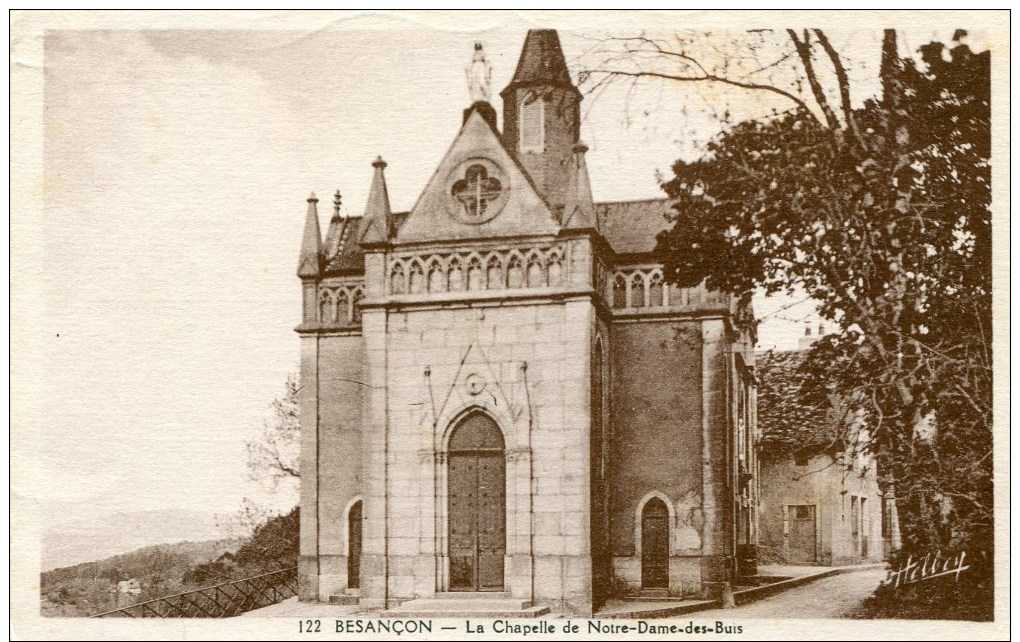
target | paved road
[{"x": 830, "y": 597}]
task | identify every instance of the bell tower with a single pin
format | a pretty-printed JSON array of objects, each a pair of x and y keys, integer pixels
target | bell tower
[{"x": 542, "y": 115}]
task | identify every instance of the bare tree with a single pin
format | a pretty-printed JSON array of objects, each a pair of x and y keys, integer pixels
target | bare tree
[{"x": 274, "y": 456}]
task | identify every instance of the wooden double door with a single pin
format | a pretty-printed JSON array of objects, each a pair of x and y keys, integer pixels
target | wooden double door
[{"x": 477, "y": 505}]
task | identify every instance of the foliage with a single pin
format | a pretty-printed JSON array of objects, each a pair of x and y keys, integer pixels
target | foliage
[
  {"x": 272, "y": 545},
  {"x": 881, "y": 215},
  {"x": 168, "y": 569},
  {"x": 946, "y": 597},
  {"x": 89, "y": 588}
]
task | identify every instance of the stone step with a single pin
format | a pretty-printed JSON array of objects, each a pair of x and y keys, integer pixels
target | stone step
[
  {"x": 405, "y": 612},
  {"x": 344, "y": 599},
  {"x": 477, "y": 604},
  {"x": 472, "y": 595}
]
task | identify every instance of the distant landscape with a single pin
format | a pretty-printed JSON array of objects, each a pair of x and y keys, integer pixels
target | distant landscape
[
  {"x": 159, "y": 570},
  {"x": 87, "y": 540}
]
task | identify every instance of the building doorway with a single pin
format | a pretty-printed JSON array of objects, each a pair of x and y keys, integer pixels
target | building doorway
[
  {"x": 354, "y": 546},
  {"x": 802, "y": 537},
  {"x": 477, "y": 506},
  {"x": 655, "y": 545}
]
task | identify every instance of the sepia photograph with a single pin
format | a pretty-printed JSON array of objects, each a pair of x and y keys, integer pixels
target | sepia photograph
[{"x": 462, "y": 324}]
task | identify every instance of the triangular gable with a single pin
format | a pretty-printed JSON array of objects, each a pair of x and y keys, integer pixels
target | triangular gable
[{"x": 438, "y": 215}]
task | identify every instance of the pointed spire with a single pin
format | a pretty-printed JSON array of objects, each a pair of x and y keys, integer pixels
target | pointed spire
[
  {"x": 332, "y": 245},
  {"x": 579, "y": 210},
  {"x": 541, "y": 61},
  {"x": 377, "y": 211},
  {"x": 310, "y": 262}
]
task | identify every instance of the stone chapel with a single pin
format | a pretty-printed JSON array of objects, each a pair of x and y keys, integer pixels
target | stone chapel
[{"x": 500, "y": 393}]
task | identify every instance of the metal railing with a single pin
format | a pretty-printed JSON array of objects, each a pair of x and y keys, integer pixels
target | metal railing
[{"x": 223, "y": 600}]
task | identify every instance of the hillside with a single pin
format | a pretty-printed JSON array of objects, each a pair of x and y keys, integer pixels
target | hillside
[
  {"x": 88, "y": 588},
  {"x": 86, "y": 540}
]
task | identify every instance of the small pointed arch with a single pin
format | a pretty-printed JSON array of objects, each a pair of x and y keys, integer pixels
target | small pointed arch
[
  {"x": 475, "y": 430},
  {"x": 656, "y": 290},
  {"x": 638, "y": 290},
  {"x": 356, "y": 305},
  {"x": 494, "y": 272},
  {"x": 677, "y": 295},
  {"x": 398, "y": 280},
  {"x": 535, "y": 269},
  {"x": 456, "y": 274},
  {"x": 352, "y": 507},
  {"x": 555, "y": 268},
  {"x": 620, "y": 288},
  {"x": 436, "y": 276},
  {"x": 343, "y": 312},
  {"x": 475, "y": 273},
  {"x": 327, "y": 306},
  {"x": 515, "y": 271},
  {"x": 639, "y": 511},
  {"x": 416, "y": 277}
]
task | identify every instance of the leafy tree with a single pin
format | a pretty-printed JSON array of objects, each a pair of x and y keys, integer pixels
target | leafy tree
[{"x": 881, "y": 215}]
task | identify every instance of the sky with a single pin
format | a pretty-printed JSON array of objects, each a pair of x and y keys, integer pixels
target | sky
[{"x": 177, "y": 164}]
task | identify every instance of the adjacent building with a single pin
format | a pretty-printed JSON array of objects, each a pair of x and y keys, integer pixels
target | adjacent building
[{"x": 822, "y": 499}]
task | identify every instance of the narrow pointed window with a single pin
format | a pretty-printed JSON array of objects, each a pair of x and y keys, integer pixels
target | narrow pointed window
[
  {"x": 619, "y": 292},
  {"x": 356, "y": 306},
  {"x": 536, "y": 278},
  {"x": 456, "y": 275},
  {"x": 417, "y": 280},
  {"x": 475, "y": 274},
  {"x": 343, "y": 311},
  {"x": 436, "y": 278},
  {"x": 515, "y": 273},
  {"x": 555, "y": 270},
  {"x": 494, "y": 274},
  {"x": 325, "y": 307},
  {"x": 655, "y": 291},
  {"x": 397, "y": 279},
  {"x": 637, "y": 290}
]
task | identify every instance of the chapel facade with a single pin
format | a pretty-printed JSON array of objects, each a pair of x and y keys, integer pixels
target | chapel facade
[{"x": 501, "y": 394}]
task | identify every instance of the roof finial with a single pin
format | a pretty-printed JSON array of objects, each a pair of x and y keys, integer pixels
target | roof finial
[
  {"x": 479, "y": 76},
  {"x": 377, "y": 211},
  {"x": 333, "y": 233},
  {"x": 579, "y": 209},
  {"x": 310, "y": 261}
]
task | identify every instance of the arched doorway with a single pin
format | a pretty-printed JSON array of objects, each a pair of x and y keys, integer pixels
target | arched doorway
[
  {"x": 655, "y": 545},
  {"x": 354, "y": 546},
  {"x": 477, "y": 506}
]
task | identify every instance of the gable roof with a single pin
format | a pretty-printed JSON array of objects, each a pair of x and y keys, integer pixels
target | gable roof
[
  {"x": 349, "y": 258},
  {"x": 792, "y": 414},
  {"x": 524, "y": 211},
  {"x": 631, "y": 227}
]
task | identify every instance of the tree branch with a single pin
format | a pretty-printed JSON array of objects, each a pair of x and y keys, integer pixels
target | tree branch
[
  {"x": 844, "y": 85},
  {"x": 803, "y": 48},
  {"x": 711, "y": 78}
]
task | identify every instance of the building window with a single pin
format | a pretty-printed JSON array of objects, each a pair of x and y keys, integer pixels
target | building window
[
  {"x": 803, "y": 512},
  {"x": 532, "y": 125},
  {"x": 619, "y": 292},
  {"x": 494, "y": 274},
  {"x": 655, "y": 291}
]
